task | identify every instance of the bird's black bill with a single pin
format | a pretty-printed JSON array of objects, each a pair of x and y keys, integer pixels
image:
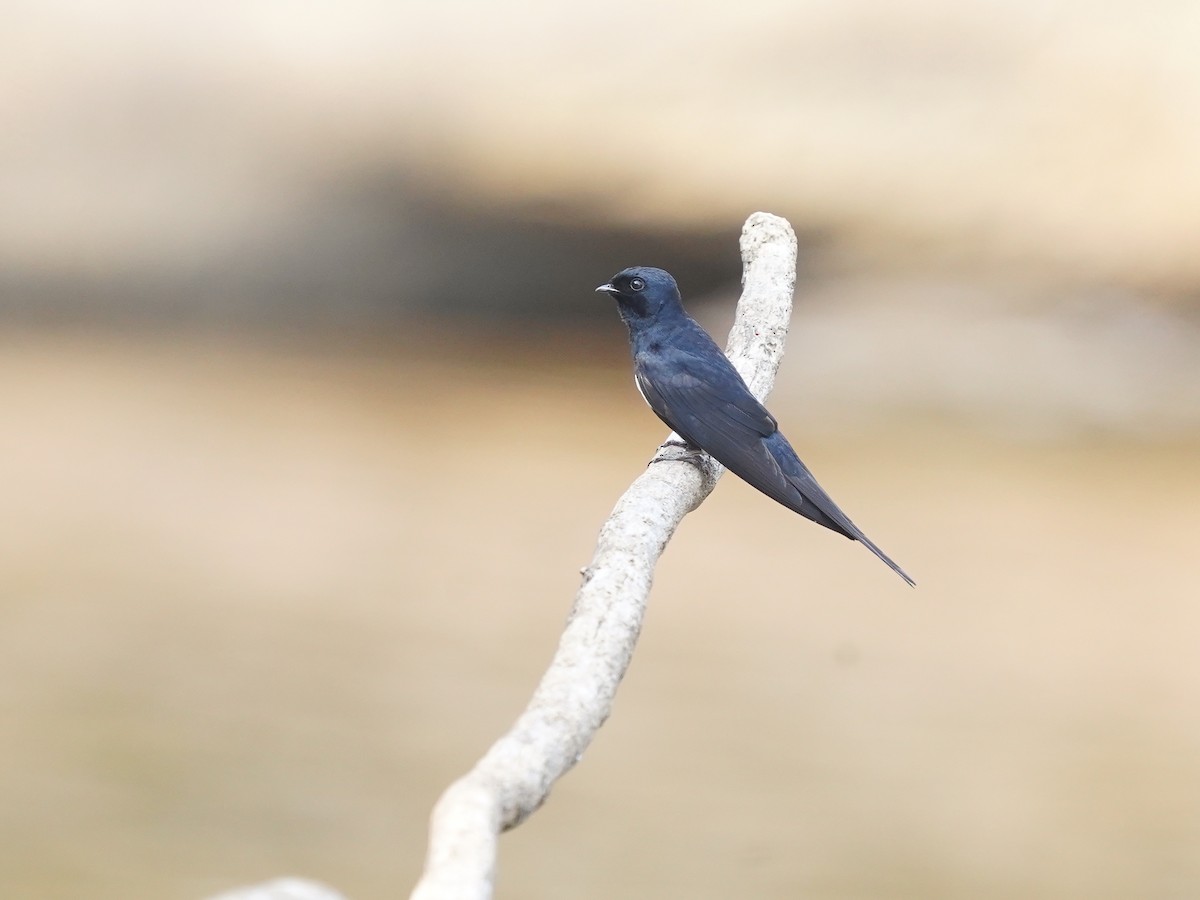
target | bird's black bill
[{"x": 607, "y": 289}]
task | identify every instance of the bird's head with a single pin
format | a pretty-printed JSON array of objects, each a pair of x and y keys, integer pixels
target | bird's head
[{"x": 642, "y": 293}]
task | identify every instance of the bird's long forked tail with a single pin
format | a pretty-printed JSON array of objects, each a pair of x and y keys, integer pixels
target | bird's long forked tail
[
  {"x": 822, "y": 510},
  {"x": 866, "y": 542}
]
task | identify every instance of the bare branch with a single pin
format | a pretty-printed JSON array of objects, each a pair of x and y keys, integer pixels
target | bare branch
[{"x": 575, "y": 695}]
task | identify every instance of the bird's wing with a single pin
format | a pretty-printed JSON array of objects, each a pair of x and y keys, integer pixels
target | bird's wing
[
  {"x": 703, "y": 398},
  {"x": 711, "y": 408},
  {"x": 707, "y": 403}
]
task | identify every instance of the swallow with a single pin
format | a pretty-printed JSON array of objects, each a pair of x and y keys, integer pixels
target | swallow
[{"x": 690, "y": 384}]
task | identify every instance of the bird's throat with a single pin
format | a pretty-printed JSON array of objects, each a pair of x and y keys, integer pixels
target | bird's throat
[{"x": 632, "y": 309}]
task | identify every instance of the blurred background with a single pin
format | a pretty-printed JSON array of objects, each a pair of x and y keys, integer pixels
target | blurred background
[{"x": 311, "y": 418}]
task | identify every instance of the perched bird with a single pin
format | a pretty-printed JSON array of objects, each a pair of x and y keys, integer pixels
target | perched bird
[{"x": 696, "y": 391}]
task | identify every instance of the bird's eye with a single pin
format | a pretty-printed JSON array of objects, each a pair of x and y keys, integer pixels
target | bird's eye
[{"x": 637, "y": 284}]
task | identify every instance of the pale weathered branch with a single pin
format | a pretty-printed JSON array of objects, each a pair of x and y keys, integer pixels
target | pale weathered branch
[{"x": 575, "y": 695}]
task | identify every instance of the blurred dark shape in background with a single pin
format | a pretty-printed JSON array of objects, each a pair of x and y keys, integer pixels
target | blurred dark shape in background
[
  {"x": 1028, "y": 167},
  {"x": 374, "y": 252},
  {"x": 311, "y": 415}
]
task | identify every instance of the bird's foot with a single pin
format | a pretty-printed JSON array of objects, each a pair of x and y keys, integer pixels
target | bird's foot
[{"x": 676, "y": 449}]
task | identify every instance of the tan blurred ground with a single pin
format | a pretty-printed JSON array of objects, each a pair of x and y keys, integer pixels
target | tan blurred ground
[{"x": 261, "y": 603}]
